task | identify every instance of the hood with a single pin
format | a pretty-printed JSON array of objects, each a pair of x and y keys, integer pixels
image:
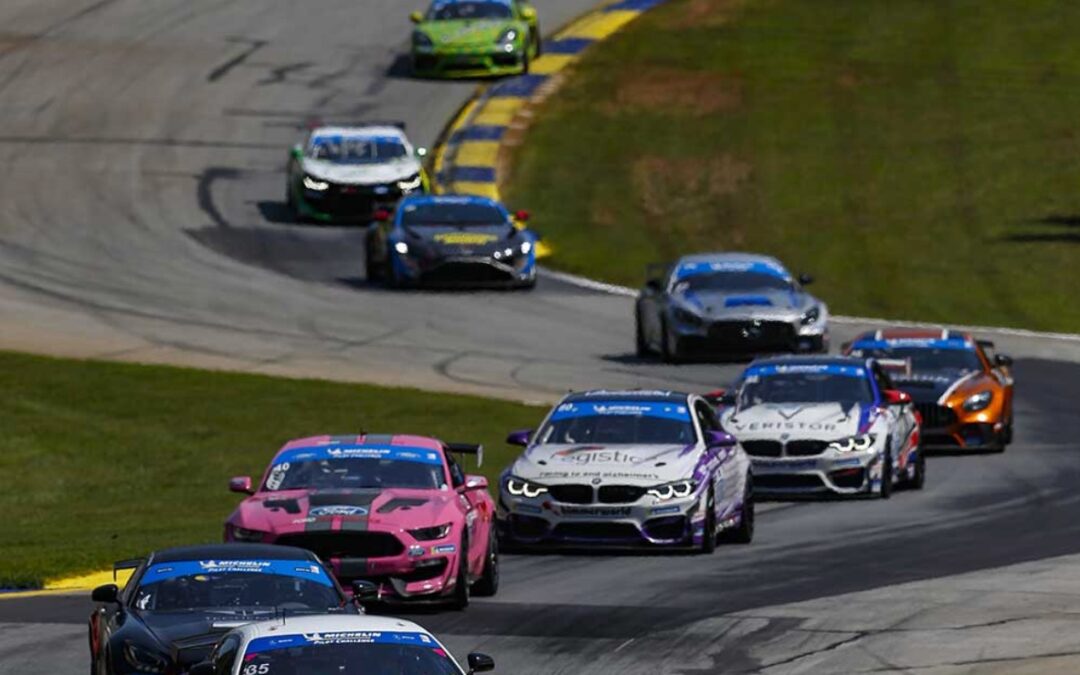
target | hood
[
  {"x": 645, "y": 465},
  {"x": 190, "y": 636},
  {"x": 817, "y": 421},
  {"x": 361, "y": 174},
  {"x": 291, "y": 511},
  {"x": 766, "y": 303},
  {"x": 467, "y": 33},
  {"x": 930, "y": 386},
  {"x": 469, "y": 240}
]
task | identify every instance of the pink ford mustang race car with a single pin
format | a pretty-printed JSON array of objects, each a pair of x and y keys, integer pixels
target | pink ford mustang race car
[{"x": 398, "y": 511}]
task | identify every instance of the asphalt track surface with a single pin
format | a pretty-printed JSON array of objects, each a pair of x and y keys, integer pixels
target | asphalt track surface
[{"x": 141, "y": 149}]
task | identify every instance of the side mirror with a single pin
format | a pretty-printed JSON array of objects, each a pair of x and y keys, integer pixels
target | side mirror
[
  {"x": 1003, "y": 360},
  {"x": 480, "y": 663},
  {"x": 365, "y": 591},
  {"x": 108, "y": 593},
  {"x": 717, "y": 439},
  {"x": 654, "y": 285},
  {"x": 806, "y": 279},
  {"x": 897, "y": 397},
  {"x": 381, "y": 215},
  {"x": 203, "y": 668},
  {"x": 476, "y": 482},
  {"x": 522, "y": 216},
  {"x": 416, "y": 17},
  {"x": 241, "y": 484},
  {"x": 519, "y": 437}
]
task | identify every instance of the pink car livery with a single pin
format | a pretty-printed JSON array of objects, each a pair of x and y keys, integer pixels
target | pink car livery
[{"x": 394, "y": 510}]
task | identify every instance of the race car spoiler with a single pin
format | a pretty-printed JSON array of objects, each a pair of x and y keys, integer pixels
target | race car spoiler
[
  {"x": 319, "y": 122},
  {"x": 468, "y": 449},
  {"x": 131, "y": 564},
  {"x": 898, "y": 366}
]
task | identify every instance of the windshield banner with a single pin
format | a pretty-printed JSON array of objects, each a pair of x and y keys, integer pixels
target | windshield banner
[
  {"x": 266, "y": 644},
  {"x": 392, "y": 452},
  {"x": 671, "y": 411},
  {"x": 690, "y": 269},
  {"x": 915, "y": 343},
  {"x": 807, "y": 368},
  {"x": 299, "y": 569}
]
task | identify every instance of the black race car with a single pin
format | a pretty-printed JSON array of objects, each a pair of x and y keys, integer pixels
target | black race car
[{"x": 179, "y": 601}]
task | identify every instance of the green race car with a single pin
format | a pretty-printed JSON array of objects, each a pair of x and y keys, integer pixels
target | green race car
[{"x": 469, "y": 38}]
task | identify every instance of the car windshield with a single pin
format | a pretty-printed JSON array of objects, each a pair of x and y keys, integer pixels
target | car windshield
[
  {"x": 443, "y": 214},
  {"x": 732, "y": 282},
  {"x": 358, "y": 467},
  {"x": 619, "y": 422},
  {"x": 348, "y": 653},
  {"x": 449, "y": 11},
  {"x": 299, "y": 585},
  {"x": 928, "y": 359},
  {"x": 845, "y": 385},
  {"x": 345, "y": 150}
]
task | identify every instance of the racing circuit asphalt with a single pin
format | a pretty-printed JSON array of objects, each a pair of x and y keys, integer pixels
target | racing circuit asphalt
[{"x": 141, "y": 154}]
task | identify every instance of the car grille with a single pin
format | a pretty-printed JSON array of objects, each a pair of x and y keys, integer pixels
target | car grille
[
  {"x": 763, "y": 448},
  {"x": 620, "y": 494},
  {"x": 753, "y": 335},
  {"x": 353, "y": 200},
  {"x": 329, "y": 545},
  {"x": 935, "y": 416},
  {"x": 528, "y": 527},
  {"x": 608, "y": 531},
  {"x": 787, "y": 481},
  {"x": 457, "y": 272},
  {"x": 668, "y": 527},
  {"x": 848, "y": 478},
  {"x": 571, "y": 494},
  {"x": 805, "y": 448}
]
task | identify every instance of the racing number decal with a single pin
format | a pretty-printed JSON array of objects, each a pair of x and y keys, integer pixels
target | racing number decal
[{"x": 257, "y": 669}]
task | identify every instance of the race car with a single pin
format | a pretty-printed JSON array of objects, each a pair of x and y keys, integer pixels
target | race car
[
  {"x": 451, "y": 240},
  {"x": 179, "y": 601},
  {"x": 398, "y": 511},
  {"x": 963, "y": 390},
  {"x": 469, "y": 38},
  {"x": 627, "y": 469},
  {"x": 347, "y": 173},
  {"x": 727, "y": 304},
  {"x": 349, "y": 645},
  {"x": 825, "y": 425}
]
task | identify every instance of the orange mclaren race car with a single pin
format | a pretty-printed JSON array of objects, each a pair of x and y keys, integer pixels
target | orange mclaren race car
[{"x": 962, "y": 389}]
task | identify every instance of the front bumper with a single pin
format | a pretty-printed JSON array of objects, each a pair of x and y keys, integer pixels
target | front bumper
[
  {"x": 746, "y": 336},
  {"x": 465, "y": 271},
  {"x": 477, "y": 62},
  {"x": 346, "y": 202},
  {"x": 838, "y": 474},
  {"x": 946, "y": 428}
]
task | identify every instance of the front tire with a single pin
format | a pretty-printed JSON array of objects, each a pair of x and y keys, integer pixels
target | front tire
[
  {"x": 917, "y": 481},
  {"x": 708, "y": 536},
  {"x": 488, "y": 584},
  {"x": 744, "y": 533},
  {"x": 460, "y": 598},
  {"x": 669, "y": 353},
  {"x": 640, "y": 344},
  {"x": 886, "y": 477}
]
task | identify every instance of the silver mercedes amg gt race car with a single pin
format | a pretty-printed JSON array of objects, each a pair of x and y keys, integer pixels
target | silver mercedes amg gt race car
[{"x": 728, "y": 304}]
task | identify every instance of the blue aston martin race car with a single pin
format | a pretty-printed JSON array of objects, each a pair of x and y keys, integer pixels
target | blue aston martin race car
[{"x": 451, "y": 240}]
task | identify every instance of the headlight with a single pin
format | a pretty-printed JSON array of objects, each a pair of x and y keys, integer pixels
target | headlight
[
  {"x": 410, "y": 184},
  {"x": 507, "y": 36},
  {"x": 402, "y": 248},
  {"x": 687, "y": 317},
  {"x": 978, "y": 401},
  {"x": 811, "y": 315},
  {"x": 431, "y": 533},
  {"x": 421, "y": 39},
  {"x": 145, "y": 660},
  {"x": 316, "y": 185},
  {"x": 246, "y": 535},
  {"x": 526, "y": 246},
  {"x": 853, "y": 444},
  {"x": 677, "y": 490},
  {"x": 523, "y": 488}
]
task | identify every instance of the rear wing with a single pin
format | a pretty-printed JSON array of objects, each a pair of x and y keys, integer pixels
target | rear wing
[
  {"x": 896, "y": 366},
  {"x": 131, "y": 564},
  {"x": 320, "y": 122},
  {"x": 468, "y": 449}
]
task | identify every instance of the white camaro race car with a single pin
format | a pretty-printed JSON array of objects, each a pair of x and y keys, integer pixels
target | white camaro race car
[
  {"x": 625, "y": 469},
  {"x": 821, "y": 425}
]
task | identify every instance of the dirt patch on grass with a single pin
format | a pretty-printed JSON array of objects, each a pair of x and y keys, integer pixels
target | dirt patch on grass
[
  {"x": 665, "y": 184},
  {"x": 704, "y": 14},
  {"x": 695, "y": 92}
]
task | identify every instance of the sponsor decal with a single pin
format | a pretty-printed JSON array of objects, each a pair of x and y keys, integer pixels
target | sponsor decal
[
  {"x": 266, "y": 644},
  {"x": 811, "y": 368},
  {"x": 847, "y": 462},
  {"x": 303, "y": 521},
  {"x": 781, "y": 464},
  {"x": 445, "y": 548},
  {"x": 659, "y": 510},
  {"x": 786, "y": 425},
  {"x": 465, "y": 238},
  {"x": 663, "y": 410},
  {"x": 301, "y": 569},
  {"x": 332, "y": 452},
  {"x": 689, "y": 269},
  {"x": 597, "y": 455},
  {"x": 924, "y": 343},
  {"x": 593, "y": 511},
  {"x": 326, "y": 511}
]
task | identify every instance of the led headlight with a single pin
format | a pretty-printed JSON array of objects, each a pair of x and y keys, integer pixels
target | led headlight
[
  {"x": 686, "y": 317},
  {"x": 402, "y": 248},
  {"x": 246, "y": 535},
  {"x": 145, "y": 660},
  {"x": 811, "y": 315},
  {"x": 421, "y": 39},
  {"x": 853, "y": 444},
  {"x": 409, "y": 184},
  {"x": 507, "y": 36},
  {"x": 316, "y": 185},
  {"x": 980, "y": 401},
  {"x": 523, "y": 488},
  {"x": 678, "y": 490},
  {"x": 431, "y": 533}
]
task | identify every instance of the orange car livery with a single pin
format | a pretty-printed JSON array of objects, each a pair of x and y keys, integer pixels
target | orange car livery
[{"x": 962, "y": 390}]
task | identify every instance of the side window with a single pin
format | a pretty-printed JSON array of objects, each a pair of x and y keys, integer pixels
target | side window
[
  {"x": 224, "y": 655},
  {"x": 457, "y": 476},
  {"x": 706, "y": 417},
  {"x": 882, "y": 378}
]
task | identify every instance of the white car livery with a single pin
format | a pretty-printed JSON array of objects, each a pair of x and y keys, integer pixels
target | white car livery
[
  {"x": 627, "y": 469},
  {"x": 349, "y": 173},
  {"x": 825, "y": 425},
  {"x": 333, "y": 643}
]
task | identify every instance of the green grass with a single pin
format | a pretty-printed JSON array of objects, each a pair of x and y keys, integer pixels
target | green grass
[
  {"x": 105, "y": 461},
  {"x": 921, "y": 158}
]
